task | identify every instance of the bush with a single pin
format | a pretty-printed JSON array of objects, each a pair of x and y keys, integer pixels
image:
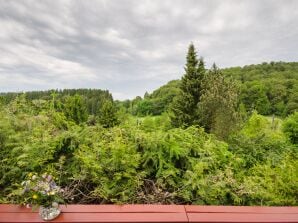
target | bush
[
  {"x": 145, "y": 161},
  {"x": 290, "y": 127}
]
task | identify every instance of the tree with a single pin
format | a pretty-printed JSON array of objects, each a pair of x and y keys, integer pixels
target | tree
[
  {"x": 183, "y": 109},
  {"x": 290, "y": 127},
  {"x": 254, "y": 97},
  {"x": 146, "y": 95},
  {"x": 292, "y": 105},
  {"x": 144, "y": 107},
  {"x": 75, "y": 109},
  {"x": 107, "y": 114},
  {"x": 277, "y": 96},
  {"x": 218, "y": 107},
  {"x": 134, "y": 105}
]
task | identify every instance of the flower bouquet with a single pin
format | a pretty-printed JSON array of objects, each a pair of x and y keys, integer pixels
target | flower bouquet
[{"x": 42, "y": 191}]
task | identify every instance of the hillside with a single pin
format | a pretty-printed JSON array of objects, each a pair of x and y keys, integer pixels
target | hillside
[{"x": 269, "y": 88}]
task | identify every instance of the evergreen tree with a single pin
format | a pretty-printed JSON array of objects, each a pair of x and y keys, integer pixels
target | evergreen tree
[
  {"x": 146, "y": 95},
  {"x": 185, "y": 104},
  {"x": 107, "y": 114},
  {"x": 75, "y": 109}
]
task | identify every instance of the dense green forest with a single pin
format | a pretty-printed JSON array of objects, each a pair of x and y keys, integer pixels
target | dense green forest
[
  {"x": 269, "y": 88},
  {"x": 223, "y": 137}
]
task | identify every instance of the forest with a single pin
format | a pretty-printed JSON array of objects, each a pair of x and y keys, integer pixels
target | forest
[{"x": 214, "y": 137}]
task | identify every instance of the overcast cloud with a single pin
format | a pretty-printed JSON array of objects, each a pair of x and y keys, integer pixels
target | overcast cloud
[{"x": 130, "y": 47}]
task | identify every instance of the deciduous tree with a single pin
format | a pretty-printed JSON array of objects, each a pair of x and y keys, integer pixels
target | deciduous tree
[{"x": 218, "y": 107}]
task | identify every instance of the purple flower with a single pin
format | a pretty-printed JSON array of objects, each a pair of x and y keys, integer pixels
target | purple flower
[
  {"x": 49, "y": 178},
  {"x": 53, "y": 184}
]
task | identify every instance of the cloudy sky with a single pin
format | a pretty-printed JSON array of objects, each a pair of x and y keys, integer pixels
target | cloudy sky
[{"x": 130, "y": 47}]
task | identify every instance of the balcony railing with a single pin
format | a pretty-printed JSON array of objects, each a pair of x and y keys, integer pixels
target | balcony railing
[{"x": 155, "y": 213}]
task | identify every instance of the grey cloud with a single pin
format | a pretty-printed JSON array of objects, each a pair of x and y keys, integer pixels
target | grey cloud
[{"x": 131, "y": 46}]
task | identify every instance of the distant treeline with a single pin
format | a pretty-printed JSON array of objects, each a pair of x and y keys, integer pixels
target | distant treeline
[
  {"x": 93, "y": 98},
  {"x": 268, "y": 88}
]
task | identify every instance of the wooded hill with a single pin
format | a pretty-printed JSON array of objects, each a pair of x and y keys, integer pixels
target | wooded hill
[{"x": 268, "y": 88}]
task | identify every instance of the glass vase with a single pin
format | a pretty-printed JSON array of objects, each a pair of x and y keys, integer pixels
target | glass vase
[{"x": 49, "y": 213}]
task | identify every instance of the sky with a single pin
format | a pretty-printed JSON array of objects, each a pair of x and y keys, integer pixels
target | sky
[{"x": 133, "y": 46}]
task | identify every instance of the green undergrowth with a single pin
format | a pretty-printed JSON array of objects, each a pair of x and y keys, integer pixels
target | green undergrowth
[{"x": 144, "y": 160}]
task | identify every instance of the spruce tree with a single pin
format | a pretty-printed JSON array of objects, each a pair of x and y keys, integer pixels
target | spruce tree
[
  {"x": 75, "y": 109},
  {"x": 184, "y": 107},
  {"x": 108, "y": 114}
]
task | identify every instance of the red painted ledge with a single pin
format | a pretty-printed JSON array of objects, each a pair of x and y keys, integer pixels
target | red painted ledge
[{"x": 155, "y": 213}]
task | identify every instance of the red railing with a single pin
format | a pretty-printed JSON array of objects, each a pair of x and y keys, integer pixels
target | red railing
[{"x": 155, "y": 213}]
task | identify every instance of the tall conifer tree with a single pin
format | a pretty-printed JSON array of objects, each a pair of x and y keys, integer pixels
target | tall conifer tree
[{"x": 184, "y": 106}]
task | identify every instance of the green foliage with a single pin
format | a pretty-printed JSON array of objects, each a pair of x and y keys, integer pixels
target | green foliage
[
  {"x": 270, "y": 88},
  {"x": 92, "y": 98},
  {"x": 292, "y": 104},
  {"x": 163, "y": 97},
  {"x": 75, "y": 110},
  {"x": 175, "y": 157},
  {"x": 110, "y": 162},
  {"x": 144, "y": 107},
  {"x": 153, "y": 104},
  {"x": 259, "y": 140},
  {"x": 218, "y": 107},
  {"x": 267, "y": 88},
  {"x": 255, "y": 98},
  {"x": 272, "y": 184},
  {"x": 113, "y": 156},
  {"x": 154, "y": 123},
  {"x": 290, "y": 127},
  {"x": 184, "y": 106},
  {"x": 143, "y": 160},
  {"x": 107, "y": 115}
]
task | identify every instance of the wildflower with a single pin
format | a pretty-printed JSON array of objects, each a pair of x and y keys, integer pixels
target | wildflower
[
  {"x": 52, "y": 184},
  {"x": 49, "y": 178},
  {"x": 30, "y": 174},
  {"x": 44, "y": 186}
]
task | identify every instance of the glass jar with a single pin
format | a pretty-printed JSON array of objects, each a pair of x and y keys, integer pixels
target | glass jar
[{"x": 49, "y": 213}]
